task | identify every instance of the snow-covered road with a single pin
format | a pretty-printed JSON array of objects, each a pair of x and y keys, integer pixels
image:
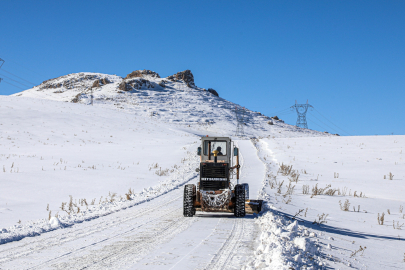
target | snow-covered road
[{"x": 151, "y": 235}]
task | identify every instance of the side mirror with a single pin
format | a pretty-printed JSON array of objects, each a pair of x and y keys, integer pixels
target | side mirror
[
  {"x": 199, "y": 151},
  {"x": 235, "y": 151}
]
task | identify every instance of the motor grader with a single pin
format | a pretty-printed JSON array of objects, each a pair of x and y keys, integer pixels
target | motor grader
[{"x": 215, "y": 192}]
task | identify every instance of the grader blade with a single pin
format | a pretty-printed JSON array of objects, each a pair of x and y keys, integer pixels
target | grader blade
[{"x": 253, "y": 206}]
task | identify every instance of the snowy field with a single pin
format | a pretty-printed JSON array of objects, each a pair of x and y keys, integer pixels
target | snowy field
[
  {"x": 100, "y": 187},
  {"x": 347, "y": 171}
]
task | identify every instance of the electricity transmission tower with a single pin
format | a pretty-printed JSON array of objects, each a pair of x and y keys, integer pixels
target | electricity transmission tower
[
  {"x": 240, "y": 115},
  {"x": 301, "y": 112}
]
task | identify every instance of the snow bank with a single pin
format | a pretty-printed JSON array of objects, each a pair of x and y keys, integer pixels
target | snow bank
[{"x": 283, "y": 244}]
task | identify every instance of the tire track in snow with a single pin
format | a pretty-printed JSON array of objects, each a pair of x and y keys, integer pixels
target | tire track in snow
[
  {"x": 71, "y": 234},
  {"x": 227, "y": 251},
  {"x": 131, "y": 249}
]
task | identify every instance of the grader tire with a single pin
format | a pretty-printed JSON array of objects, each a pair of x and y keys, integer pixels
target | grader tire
[
  {"x": 188, "y": 205},
  {"x": 246, "y": 187},
  {"x": 239, "y": 210}
]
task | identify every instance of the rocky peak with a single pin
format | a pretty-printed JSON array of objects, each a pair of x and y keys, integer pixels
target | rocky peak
[
  {"x": 185, "y": 76},
  {"x": 141, "y": 73}
]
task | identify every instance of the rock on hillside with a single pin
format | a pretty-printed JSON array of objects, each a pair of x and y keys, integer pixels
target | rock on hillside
[
  {"x": 185, "y": 76},
  {"x": 142, "y": 73},
  {"x": 212, "y": 91}
]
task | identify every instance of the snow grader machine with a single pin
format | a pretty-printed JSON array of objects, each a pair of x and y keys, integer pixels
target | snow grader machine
[{"x": 215, "y": 192}]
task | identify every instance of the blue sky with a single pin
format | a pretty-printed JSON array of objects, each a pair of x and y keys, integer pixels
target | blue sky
[{"x": 347, "y": 58}]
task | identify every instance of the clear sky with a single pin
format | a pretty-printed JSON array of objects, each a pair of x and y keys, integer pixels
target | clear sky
[{"x": 347, "y": 58}]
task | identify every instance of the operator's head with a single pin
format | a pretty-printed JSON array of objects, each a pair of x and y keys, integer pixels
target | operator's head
[{"x": 219, "y": 148}]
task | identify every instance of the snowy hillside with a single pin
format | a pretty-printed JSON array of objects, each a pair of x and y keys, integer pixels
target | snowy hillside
[
  {"x": 100, "y": 186},
  {"x": 174, "y": 99}
]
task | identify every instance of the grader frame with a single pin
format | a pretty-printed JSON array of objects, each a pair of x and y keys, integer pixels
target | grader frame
[{"x": 215, "y": 192}]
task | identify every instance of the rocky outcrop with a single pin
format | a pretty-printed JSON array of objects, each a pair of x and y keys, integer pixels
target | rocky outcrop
[
  {"x": 128, "y": 85},
  {"x": 98, "y": 83},
  {"x": 141, "y": 73},
  {"x": 185, "y": 76},
  {"x": 124, "y": 86},
  {"x": 162, "y": 83},
  {"x": 76, "y": 99},
  {"x": 71, "y": 81},
  {"x": 212, "y": 91}
]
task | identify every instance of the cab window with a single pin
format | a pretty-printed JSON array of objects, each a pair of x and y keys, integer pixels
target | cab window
[{"x": 215, "y": 145}]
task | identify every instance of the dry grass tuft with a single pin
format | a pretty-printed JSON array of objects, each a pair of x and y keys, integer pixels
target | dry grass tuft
[
  {"x": 361, "y": 249},
  {"x": 319, "y": 191},
  {"x": 280, "y": 185},
  {"x": 305, "y": 189},
  {"x": 321, "y": 219},
  {"x": 285, "y": 169},
  {"x": 345, "y": 206},
  {"x": 380, "y": 219},
  {"x": 290, "y": 190}
]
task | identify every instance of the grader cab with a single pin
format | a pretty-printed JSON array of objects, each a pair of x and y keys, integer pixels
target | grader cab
[{"x": 215, "y": 192}]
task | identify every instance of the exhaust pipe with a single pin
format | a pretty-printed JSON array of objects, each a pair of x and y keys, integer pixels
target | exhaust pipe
[{"x": 215, "y": 152}]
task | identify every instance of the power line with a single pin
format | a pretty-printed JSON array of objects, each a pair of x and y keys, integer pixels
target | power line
[
  {"x": 331, "y": 122},
  {"x": 14, "y": 85},
  {"x": 313, "y": 122},
  {"x": 286, "y": 113},
  {"x": 14, "y": 80},
  {"x": 18, "y": 77},
  {"x": 25, "y": 67},
  {"x": 324, "y": 123},
  {"x": 278, "y": 112}
]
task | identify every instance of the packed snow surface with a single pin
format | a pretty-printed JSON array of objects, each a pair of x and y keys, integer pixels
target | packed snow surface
[{"x": 100, "y": 186}]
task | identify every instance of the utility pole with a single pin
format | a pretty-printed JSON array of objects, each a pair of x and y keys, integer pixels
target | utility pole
[
  {"x": 1, "y": 64},
  {"x": 301, "y": 112},
  {"x": 92, "y": 96}
]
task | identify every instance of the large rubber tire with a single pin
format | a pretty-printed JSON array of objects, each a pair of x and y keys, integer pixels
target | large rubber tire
[
  {"x": 188, "y": 204},
  {"x": 246, "y": 187},
  {"x": 239, "y": 210}
]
